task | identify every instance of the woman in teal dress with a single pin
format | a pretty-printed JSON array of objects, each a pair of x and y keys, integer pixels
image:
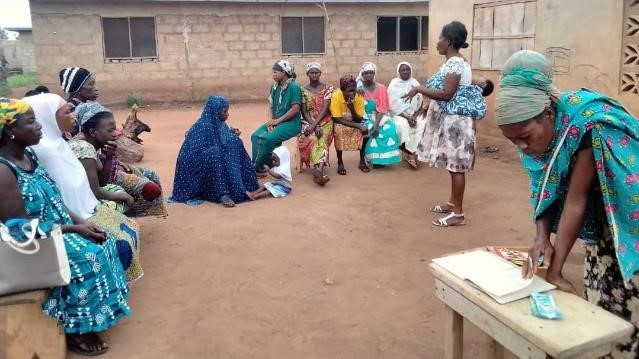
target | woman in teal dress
[
  {"x": 580, "y": 150},
  {"x": 95, "y": 299},
  {"x": 285, "y": 97}
]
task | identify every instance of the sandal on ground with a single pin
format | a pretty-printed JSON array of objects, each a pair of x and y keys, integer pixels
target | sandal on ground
[
  {"x": 411, "y": 162},
  {"x": 341, "y": 170},
  {"x": 75, "y": 345},
  {"x": 443, "y": 222},
  {"x": 364, "y": 168},
  {"x": 227, "y": 201},
  {"x": 378, "y": 166},
  {"x": 446, "y": 208}
]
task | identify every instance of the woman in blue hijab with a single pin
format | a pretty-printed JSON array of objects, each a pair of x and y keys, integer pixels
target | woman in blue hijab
[{"x": 213, "y": 164}]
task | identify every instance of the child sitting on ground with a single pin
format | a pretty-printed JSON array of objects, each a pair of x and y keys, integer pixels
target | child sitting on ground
[{"x": 281, "y": 172}]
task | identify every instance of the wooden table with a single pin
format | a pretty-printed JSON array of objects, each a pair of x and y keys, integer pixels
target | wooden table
[{"x": 586, "y": 331}]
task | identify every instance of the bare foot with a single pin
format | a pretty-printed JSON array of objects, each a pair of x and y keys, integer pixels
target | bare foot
[{"x": 250, "y": 195}]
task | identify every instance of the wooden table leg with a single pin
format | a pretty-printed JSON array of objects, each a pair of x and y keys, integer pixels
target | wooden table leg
[{"x": 453, "y": 334}]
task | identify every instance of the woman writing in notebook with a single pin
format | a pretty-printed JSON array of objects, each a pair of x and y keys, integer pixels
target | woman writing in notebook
[{"x": 580, "y": 152}]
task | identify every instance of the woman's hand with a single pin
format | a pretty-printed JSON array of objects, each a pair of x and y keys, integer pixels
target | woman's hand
[
  {"x": 91, "y": 232},
  {"x": 318, "y": 132},
  {"x": 236, "y": 131},
  {"x": 560, "y": 282},
  {"x": 126, "y": 168},
  {"x": 409, "y": 96},
  {"x": 309, "y": 130},
  {"x": 541, "y": 247},
  {"x": 272, "y": 122},
  {"x": 110, "y": 149},
  {"x": 362, "y": 128},
  {"x": 126, "y": 198}
]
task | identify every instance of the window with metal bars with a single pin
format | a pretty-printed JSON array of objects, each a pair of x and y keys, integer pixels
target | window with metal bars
[
  {"x": 129, "y": 37},
  {"x": 402, "y": 33},
  {"x": 302, "y": 35}
]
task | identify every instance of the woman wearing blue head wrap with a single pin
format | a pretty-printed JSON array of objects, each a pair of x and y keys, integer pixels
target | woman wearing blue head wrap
[{"x": 213, "y": 164}]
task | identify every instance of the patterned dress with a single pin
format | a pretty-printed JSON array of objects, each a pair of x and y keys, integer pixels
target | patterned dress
[
  {"x": 449, "y": 139},
  {"x": 95, "y": 299},
  {"x": 611, "y": 221},
  {"x": 313, "y": 150},
  {"x": 383, "y": 149},
  {"x": 346, "y": 138},
  {"x": 133, "y": 183}
]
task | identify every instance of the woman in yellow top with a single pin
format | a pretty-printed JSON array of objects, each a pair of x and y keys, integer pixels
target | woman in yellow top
[{"x": 347, "y": 110}]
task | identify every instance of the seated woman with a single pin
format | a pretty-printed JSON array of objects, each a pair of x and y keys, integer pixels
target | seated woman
[
  {"x": 347, "y": 110},
  {"x": 213, "y": 164},
  {"x": 382, "y": 147},
  {"x": 317, "y": 127},
  {"x": 285, "y": 97},
  {"x": 95, "y": 148},
  {"x": 79, "y": 84},
  {"x": 407, "y": 115},
  {"x": 55, "y": 156},
  {"x": 83, "y": 308}
]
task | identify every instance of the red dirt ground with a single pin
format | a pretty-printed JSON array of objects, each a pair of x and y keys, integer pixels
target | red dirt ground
[{"x": 251, "y": 282}]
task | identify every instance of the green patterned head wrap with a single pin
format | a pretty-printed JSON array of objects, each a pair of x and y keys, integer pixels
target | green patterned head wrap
[{"x": 525, "y": 88}]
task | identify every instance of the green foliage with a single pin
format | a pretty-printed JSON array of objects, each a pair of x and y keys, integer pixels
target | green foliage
[
  {"x": 24, "y": 80},
  {"x": 133, "y": 99}
]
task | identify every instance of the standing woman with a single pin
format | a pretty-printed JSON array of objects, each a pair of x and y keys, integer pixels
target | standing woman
[
  {"x": 317, "y": 125},
  {"x": 285, "y": 97},
  {"x": 449, "y": 139},
  {"x": 406, "y": 115},
  {"x": 382, "y": 148},
  {"x": 580, "y": 150}
]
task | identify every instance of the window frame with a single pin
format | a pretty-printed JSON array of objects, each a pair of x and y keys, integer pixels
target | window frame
[
  {"x": 303, "y": 53},
  {"x": 474, "y": 37},
  {"x": 398, "y": 19},
  {"x": 130, "y": 58}
]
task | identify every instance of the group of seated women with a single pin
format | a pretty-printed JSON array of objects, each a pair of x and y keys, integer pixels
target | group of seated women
[
  {"x": 58, "y": 164},
  {"x": 361, "y": 115}
]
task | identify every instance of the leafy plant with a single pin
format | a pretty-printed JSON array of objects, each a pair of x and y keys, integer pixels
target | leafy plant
[{"x": 133, "y": 99}]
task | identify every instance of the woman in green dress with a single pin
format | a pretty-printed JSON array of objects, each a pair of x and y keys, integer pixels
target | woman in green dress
[{"x": 285, "y": 97}]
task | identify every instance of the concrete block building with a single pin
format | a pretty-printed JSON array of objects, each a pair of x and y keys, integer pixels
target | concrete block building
[{"x": 185, "y": 50}]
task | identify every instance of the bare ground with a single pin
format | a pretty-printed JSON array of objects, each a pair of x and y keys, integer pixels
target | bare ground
[{"x": 335, "y": 272}]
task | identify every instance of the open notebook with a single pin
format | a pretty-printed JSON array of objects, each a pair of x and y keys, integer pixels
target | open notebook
[{"x": 495, "y": 276}]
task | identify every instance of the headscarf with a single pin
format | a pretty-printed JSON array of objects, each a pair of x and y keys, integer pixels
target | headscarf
[
  {"x": 367, "y": 66},
  {"x": 73, "y": 78},
  {"x": 313, "y": 65},
  {"x": 398, "y": 88},
  {"x": 86, "y": 111},
  {"x": 284, "y": 169},
  {"x": 526, "y": 88},
  {"x": 212, "y": 160},
  {"x": 55, "y": 155},
  {"x": 285, "y": 67},
  {"x": 10, "y": 111},
  {"x": 346, "y": 81}
]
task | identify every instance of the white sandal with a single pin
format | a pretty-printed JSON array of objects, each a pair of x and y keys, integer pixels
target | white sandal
[
  {"x": 439, "y": 209},
  {"x": 443, "y": 222}
]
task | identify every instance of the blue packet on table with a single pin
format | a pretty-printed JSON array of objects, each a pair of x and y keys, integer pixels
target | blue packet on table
[{"x": 543, "y": 306}]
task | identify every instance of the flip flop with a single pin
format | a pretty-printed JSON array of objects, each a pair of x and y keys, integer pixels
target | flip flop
[
  {"x": 227, "y": 202},
  {"x": 440, "y": 209},
  {"x": 341, "y": 171},
  {"x": 443, "y": 222},
  {"x": 411, "y": 162},
  {"x": 73, "y": 344},
  {"x": 364, "y": 168}
]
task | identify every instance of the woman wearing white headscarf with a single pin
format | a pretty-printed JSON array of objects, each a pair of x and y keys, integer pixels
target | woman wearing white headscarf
[
  {"x": 407, "y": 115},
  {"x": 55, "y": 155}
]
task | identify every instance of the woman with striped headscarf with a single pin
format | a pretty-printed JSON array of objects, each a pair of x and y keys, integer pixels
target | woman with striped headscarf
[{"x": 579, "y": 149}]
